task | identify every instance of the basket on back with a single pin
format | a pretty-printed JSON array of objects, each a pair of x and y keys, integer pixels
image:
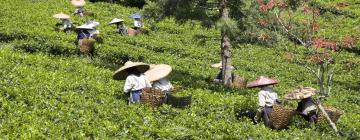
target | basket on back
[
  {"x": 87, "y": 46},
  {"x": 179, "y": 102},
  {"x": 333, "y": 113},
  {"x": 153, "y": 97},
  {"x": 239, "y": 82},
  {"x": 281, "y": 116}
]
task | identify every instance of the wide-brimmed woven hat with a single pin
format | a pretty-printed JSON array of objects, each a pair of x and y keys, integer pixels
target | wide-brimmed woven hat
[
  {"x": 85, "y": 26},
  {"x": 300, "y": 93},
  {"x": 78, "y": 3},
  {"x": 92, "y": 23},
  {"x": 115, "y": 20},
  {"x": 262, "y": 81},
  {"x": 121, "y": 73},
  {"x": 135, "y": 15},
  {"x": 61, "y": 16},
  {"x": 156, "y": 72},
  {"x": 219, "y": 65}
]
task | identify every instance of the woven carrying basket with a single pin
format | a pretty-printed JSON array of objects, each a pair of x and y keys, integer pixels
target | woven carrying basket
[
  {"x": 239, "y": 82},
  {"x": 281, "y": 116},
  {"x": 87, "y": 46},
  {"x": 333, "y": 113},
  {"x": 179, "y": 102},
  {"x": 132, "y": 32},
  {"x": 152, "y": 97}
]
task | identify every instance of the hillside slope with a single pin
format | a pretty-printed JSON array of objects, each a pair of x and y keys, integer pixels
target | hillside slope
[{"x": 53, "y": 92}]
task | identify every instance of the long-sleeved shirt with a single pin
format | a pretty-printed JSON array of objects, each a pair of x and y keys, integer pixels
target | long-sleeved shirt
[
  {"x": 306, "y": 106},
  {"x": 163, "y": 84},
  {"x": 137, "y": 23},
  {"x": 83, "y": 34},
  {"x": 94, "y": 32},
  {"x": 66, "y": 24},
  {"x": 134, "y": 83},
  {"x": 267, "y": 97}
]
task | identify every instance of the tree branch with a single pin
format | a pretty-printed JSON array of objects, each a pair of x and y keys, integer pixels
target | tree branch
[{"x": 289, "y": 33}]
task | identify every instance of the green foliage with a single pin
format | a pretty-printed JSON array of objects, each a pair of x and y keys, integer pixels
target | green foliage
[{"x": 51, "y": 94}]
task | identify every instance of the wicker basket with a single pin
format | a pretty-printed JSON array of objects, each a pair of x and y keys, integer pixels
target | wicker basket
[
  {"x": 132, "y": 32},
  {"x": 152, "y": 97},
  {"x": 333, "y": 113},
  {"x": 87, "y": 46},
  {"x": 239, "y": 82},
  {"x": 179, "y": 102},
  {"x": 281, "y": 116}
]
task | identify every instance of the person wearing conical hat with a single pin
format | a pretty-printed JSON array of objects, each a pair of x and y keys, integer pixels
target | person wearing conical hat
[
  {"x": 135, "y": 80},
  {"x": 79, "y": 4},
  {"x": 82, "y": 33},
  {"x": 306, "y": 106},
  {"x": 137, "y": 20},
  {"x": 65, "y": 21},
  {"x": 219, "y": 78},
  {"x": 119, "y": 25},
  {"x": 157, "y": 74},
  {"x": 93, "y": 24},
  {"x": 267, "y": 98}
]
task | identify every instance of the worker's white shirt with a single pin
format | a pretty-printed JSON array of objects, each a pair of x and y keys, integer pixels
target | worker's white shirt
[
  {"x": 163, "y": 84},
  {"x": 134, "y": 83},
  {"x": 93, "y": 32},
  {"x": 67, "y": 23},
  {"x": 137, "y": 23},
  {"x": 267, "y": 97},
  {"x": 309, "y": 106}
]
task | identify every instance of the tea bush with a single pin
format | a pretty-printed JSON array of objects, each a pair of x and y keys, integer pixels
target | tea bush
[{"x": 53, "y": 92}]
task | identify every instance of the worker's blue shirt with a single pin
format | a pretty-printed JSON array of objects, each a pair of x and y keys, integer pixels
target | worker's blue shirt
[{"x": 83, "y": 34}]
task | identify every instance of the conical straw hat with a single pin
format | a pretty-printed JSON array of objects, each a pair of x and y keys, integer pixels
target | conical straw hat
[
  {"x": 219, "y": 65},
  {"x": 93, "y": 23},
  {"x": 135, "y": 15},
  {"x": 116, "y": 20},
  {"x": 121, "y": 73},
  {"x": 78, "y": 3},
  {"x": 61, "y": 16},
  {"x": 85, "y": 26},
  {"x": 157, "y": 72},
  {"x": 262, "y": 81},
  {"x": 300, "y": 93}
]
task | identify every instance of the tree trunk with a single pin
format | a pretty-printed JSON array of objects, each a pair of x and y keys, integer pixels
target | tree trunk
[{"x": 225, "y": 46}]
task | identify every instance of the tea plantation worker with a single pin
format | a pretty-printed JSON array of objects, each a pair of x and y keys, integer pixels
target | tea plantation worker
[
  {"x": 79, "y": 4},
  {"x": 135, "y": 80},
  {"x": 267, "y": 98},
  {"x": 65, "y": 20},
  {"x": 219, "y": 78},
  {"x": 93, "y": 32},
  {"x": 119, "y": 25},
  {"x": 306, "y": 107},
  {"x": 83, "y": 32},
  {"x": 157, "y": 74},
  {"x": 137, "y": 20}
]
